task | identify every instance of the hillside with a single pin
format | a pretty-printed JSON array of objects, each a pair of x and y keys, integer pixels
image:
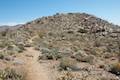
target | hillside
[{"x": 75, "y": 46}]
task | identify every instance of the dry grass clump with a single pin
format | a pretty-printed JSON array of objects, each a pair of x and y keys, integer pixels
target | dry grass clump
[
  {"x": 68, "y": 75},
  {"x": 11, "y": 74}
]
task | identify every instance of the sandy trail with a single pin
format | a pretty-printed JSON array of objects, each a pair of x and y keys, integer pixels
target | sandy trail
[{"x": 35, "y": 71}]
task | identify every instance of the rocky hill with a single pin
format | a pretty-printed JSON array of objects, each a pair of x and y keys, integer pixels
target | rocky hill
[
  {"x": 92, "y": 43},
  {"x": 73, "y": 21}
]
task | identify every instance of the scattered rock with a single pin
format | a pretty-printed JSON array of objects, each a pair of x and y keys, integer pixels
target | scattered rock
[
  {"x": 18, "y": 62},
  {"x": 9, "y": 58}
]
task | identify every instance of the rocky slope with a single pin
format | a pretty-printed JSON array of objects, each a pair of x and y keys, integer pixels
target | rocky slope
[{"x": 82, "y": 44}]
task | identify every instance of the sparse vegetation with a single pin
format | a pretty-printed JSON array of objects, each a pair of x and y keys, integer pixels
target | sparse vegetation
[{"x": 71, "y": 39}]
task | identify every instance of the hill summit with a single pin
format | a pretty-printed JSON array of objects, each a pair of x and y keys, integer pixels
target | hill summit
[{"x": 73, "y": 21}]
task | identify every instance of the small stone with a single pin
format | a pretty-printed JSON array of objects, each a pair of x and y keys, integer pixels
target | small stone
[{"x": 18, "y": 62}]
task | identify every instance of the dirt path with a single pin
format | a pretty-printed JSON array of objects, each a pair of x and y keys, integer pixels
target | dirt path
[{"x": 35, "y": 71}]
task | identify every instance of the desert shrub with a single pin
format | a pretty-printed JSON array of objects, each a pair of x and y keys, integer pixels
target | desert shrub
[
  {"x": 12, "y": 49},
  {"x": 55, "y": 53},
  {"x": 41, "y": 33},
  {"x": 82, "y": 31},
  {"x": 37, "y": 48},
  {"x": 83, "y": 57},
  {"x": 46, "y": 54},
  {"x": 70, "y": 32},
  {"x": 50, "y": 33},
  {"x": 27, "y": 45},
  {"x": 10, "y": 74},
  {"x": 50, "y": 54},
  {"x": 67, "y": 76},
  {"x": 93, "y": 51},
  {"x": 66, "y": 52},
  {"x": 97, "y": 43},
  {"x": 88, "y": 59},
  {"x": 68, "y": 63},
  {"x": 45, "y": 50},
  {"x": 108, "y": 55},
  {"x": 97, "y": 51},
  {"x": 4, "y": 43},
  {"x": 79, "y": 54},
  {"x": 115, "y": 68},
  {"x": 1, "y": 55},
  {"x": 46, "y": 57},
  {"x": 10, "y": 52},
  {"x": 7, "y": 55},
  {"x": 21, "y": 47}
]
